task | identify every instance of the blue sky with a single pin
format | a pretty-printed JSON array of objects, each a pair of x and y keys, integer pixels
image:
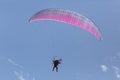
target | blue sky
[{"x": 27, "y": 49}]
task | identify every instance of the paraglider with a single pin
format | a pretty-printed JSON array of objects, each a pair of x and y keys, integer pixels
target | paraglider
[
  {"x": 56, "y": 62},
  {"x": 69, "y": 17}
]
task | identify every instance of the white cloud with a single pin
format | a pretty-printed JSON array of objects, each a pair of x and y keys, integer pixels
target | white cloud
[
  {"x": 14, "y": 63},
  {"x": 20, "y": 75},
  {"x": 11, "y": 61},
  {"x": 117, "y": 72},
  {"x": 104, "y": 68}
]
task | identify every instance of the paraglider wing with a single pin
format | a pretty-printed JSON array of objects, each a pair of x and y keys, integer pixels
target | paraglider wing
[{"x": 68, "y": 16}]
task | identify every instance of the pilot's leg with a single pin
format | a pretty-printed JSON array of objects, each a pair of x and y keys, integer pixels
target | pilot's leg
[
  {"x": 56, "y": 69},
  {"x": 53, "y": 68}
]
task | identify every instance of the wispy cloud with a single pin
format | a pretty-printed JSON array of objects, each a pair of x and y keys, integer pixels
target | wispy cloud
[
  {"x": 104, "y": 68},
  {"x": 20, "y": 75},
  {"x": 14, "y": 63},
  {"x": 117, "y": 72},
  {"x": 114, "y": 69},
  {"x": 113, "y": 60}
]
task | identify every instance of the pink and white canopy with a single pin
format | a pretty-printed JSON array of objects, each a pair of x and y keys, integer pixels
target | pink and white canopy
[{"x": 69, "y": 17}]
